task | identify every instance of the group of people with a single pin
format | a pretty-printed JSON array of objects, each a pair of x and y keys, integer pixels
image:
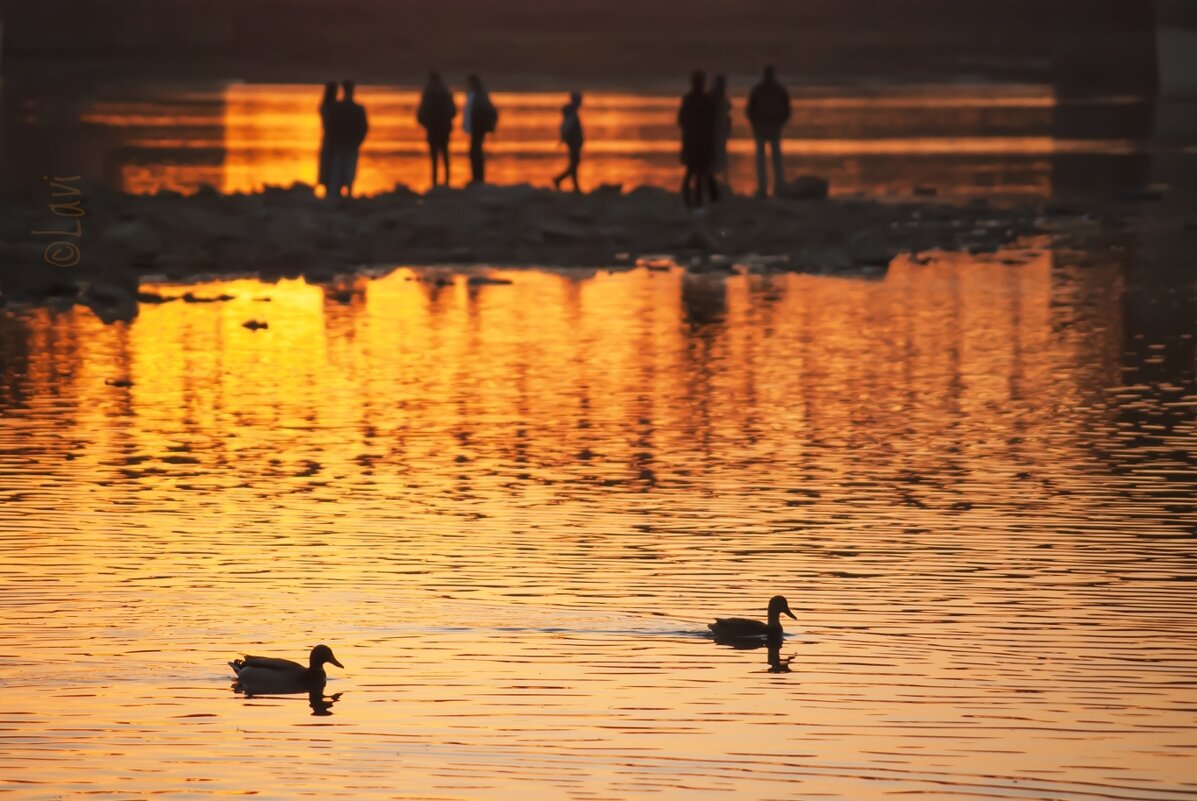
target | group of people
[
  {"x": 706, "y": 124},
  {"x": 436, "y": 113},
  {"x": 704, "y": 118},
  {"x": 344, "y": 123},
  {"x": 437, "y": 110}
]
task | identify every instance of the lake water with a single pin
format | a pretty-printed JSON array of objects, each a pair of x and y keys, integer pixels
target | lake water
[
  {"x": 966, "y": 139},
  {"x": 511, "y": 508}
]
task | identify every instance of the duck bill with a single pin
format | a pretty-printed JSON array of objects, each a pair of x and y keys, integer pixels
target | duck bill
[
  {"x": 333, "y": 660},
  {"x": 791, "y": 614}
]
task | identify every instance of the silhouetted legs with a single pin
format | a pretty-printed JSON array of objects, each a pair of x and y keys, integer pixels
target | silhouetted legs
[
  {"x": 342, "y": 171},
  {"x": 571, "y": 171},
  {"x": 477, "y": 158},
  {"x": 722, "y": 176},
  {"x": 779, "y": 179},
  {"x": 438, "y": 149},
  {"x": 693, "y": 184}
]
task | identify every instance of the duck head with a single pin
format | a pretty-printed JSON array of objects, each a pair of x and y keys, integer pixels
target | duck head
[
  {"x": 779, "y": 606},
  {"x": 322, "y": 654}
]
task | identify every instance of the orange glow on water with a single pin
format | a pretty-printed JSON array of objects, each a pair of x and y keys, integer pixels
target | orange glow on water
[
  {"x": 972, "y": 140},
  {"x": 511, "y": 507}
]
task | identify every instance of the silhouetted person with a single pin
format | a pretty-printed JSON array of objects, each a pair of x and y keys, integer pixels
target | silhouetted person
[
  {"x": 326, "y": 113},
  {"x": 571, "y": 135},
  {"x": 723, "y": 127},
  {"x": 348, "y": 130},
  {"x": 480, "y": 118},
  {"x": 768, "y": 111},
  {"x": 696, "y": 118},
  {"x": 436, "y": 113}
]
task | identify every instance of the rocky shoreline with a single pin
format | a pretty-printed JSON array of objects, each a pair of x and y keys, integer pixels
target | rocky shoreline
[{"x": 288, "y": 232}]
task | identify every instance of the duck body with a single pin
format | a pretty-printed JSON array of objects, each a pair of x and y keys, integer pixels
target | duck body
[
  {"x": 732, "y": 628},
  {"x": 741, "y": 627},
  {"x": 263, "y": 675}
]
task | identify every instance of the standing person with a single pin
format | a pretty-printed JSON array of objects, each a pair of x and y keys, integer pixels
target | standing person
[
  {"x": 723, "y": 126},
  {"x": 696, "y": 118},
  {"x": 326, "y": 113},
  {"x": 768, "y": 111},
  {"x": 571, "y": 135},
  {"x": 480, "y": 118},
  {"x": 349, "y": 127},
  {"x": 436, "y": 113}
]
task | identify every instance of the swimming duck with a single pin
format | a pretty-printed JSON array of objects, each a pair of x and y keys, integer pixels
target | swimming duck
[
  {"x": 259, "y": 675},
  {"x": 736, "y": 627}
]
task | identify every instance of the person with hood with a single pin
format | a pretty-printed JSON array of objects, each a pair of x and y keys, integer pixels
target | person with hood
[
  {"x": 480, "y": 118},
  {"x": 768, "y": 111},
  {"x": 436, "y": 112},
  {"x": 696, "y": 118},
  {"x": 571, "y": 135},
  {"x": 349, "y": 127}
]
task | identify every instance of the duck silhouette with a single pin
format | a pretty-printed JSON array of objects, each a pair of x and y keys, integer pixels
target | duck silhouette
[
  {"x": 740, "y": 628},
  {"x": 266, "y": 675}
]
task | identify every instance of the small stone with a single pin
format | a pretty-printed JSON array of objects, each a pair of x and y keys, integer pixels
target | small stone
[{"x": 806, "y": 187}]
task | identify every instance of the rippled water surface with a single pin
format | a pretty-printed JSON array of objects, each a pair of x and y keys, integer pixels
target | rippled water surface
[
  {"x": 954, "y": 140},
  {"x": 511, "y": 508}
]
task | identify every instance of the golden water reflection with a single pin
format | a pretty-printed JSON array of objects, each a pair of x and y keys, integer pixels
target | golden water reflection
[
  {"x": 510, "y": 508},
  {"x": 959, "y": 140}
]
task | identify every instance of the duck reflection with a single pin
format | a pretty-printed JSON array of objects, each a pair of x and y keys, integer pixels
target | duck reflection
[
  {"x": 772, "y": 643},
  {"x": 776, "y": 663},
  {"x": 320, "y": 703}
]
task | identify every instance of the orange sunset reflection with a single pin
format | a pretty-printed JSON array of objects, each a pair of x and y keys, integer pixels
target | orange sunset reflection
[
  {"x": 511, "y": 499},
  {"x": 246, "y": 136}
]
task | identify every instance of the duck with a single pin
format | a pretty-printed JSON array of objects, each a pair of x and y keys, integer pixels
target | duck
[
  {"x": 739, "y": 627},
  {"x": 258, "y": 675}
]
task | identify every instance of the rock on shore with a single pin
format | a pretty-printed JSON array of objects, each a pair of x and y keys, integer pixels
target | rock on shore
[{"x": 288, "y": 232}]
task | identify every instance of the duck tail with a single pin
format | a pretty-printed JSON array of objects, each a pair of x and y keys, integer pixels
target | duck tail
[{"x": 236, "y": 665}]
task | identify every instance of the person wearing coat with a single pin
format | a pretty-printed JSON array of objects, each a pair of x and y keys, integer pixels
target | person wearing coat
[
  {"x": 696, "y": 118},
  {"x": 480, "y": 118},
  {"x": 571, "y": 135},
  {"x": 435, "y": 114},
  {"x": 768, "y": 111},
  {"x": 326, "y": 113},
  {"x": 723, "y": 127},
  {"x": 348, "y": 129}
]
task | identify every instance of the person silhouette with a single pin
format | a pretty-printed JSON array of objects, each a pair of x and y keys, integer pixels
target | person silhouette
[
  {"x": 768, "y": 110},
  {"x": 571, "y": 135},
  {"x": 480, "y": 118},
  {"x": 349, "y": 128},
  {"x": 436, "y": 112},
  {"x": 696, "y": 118},
  {"x": 723, "y": 127},
  {"x": 326, "y": 112}
]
